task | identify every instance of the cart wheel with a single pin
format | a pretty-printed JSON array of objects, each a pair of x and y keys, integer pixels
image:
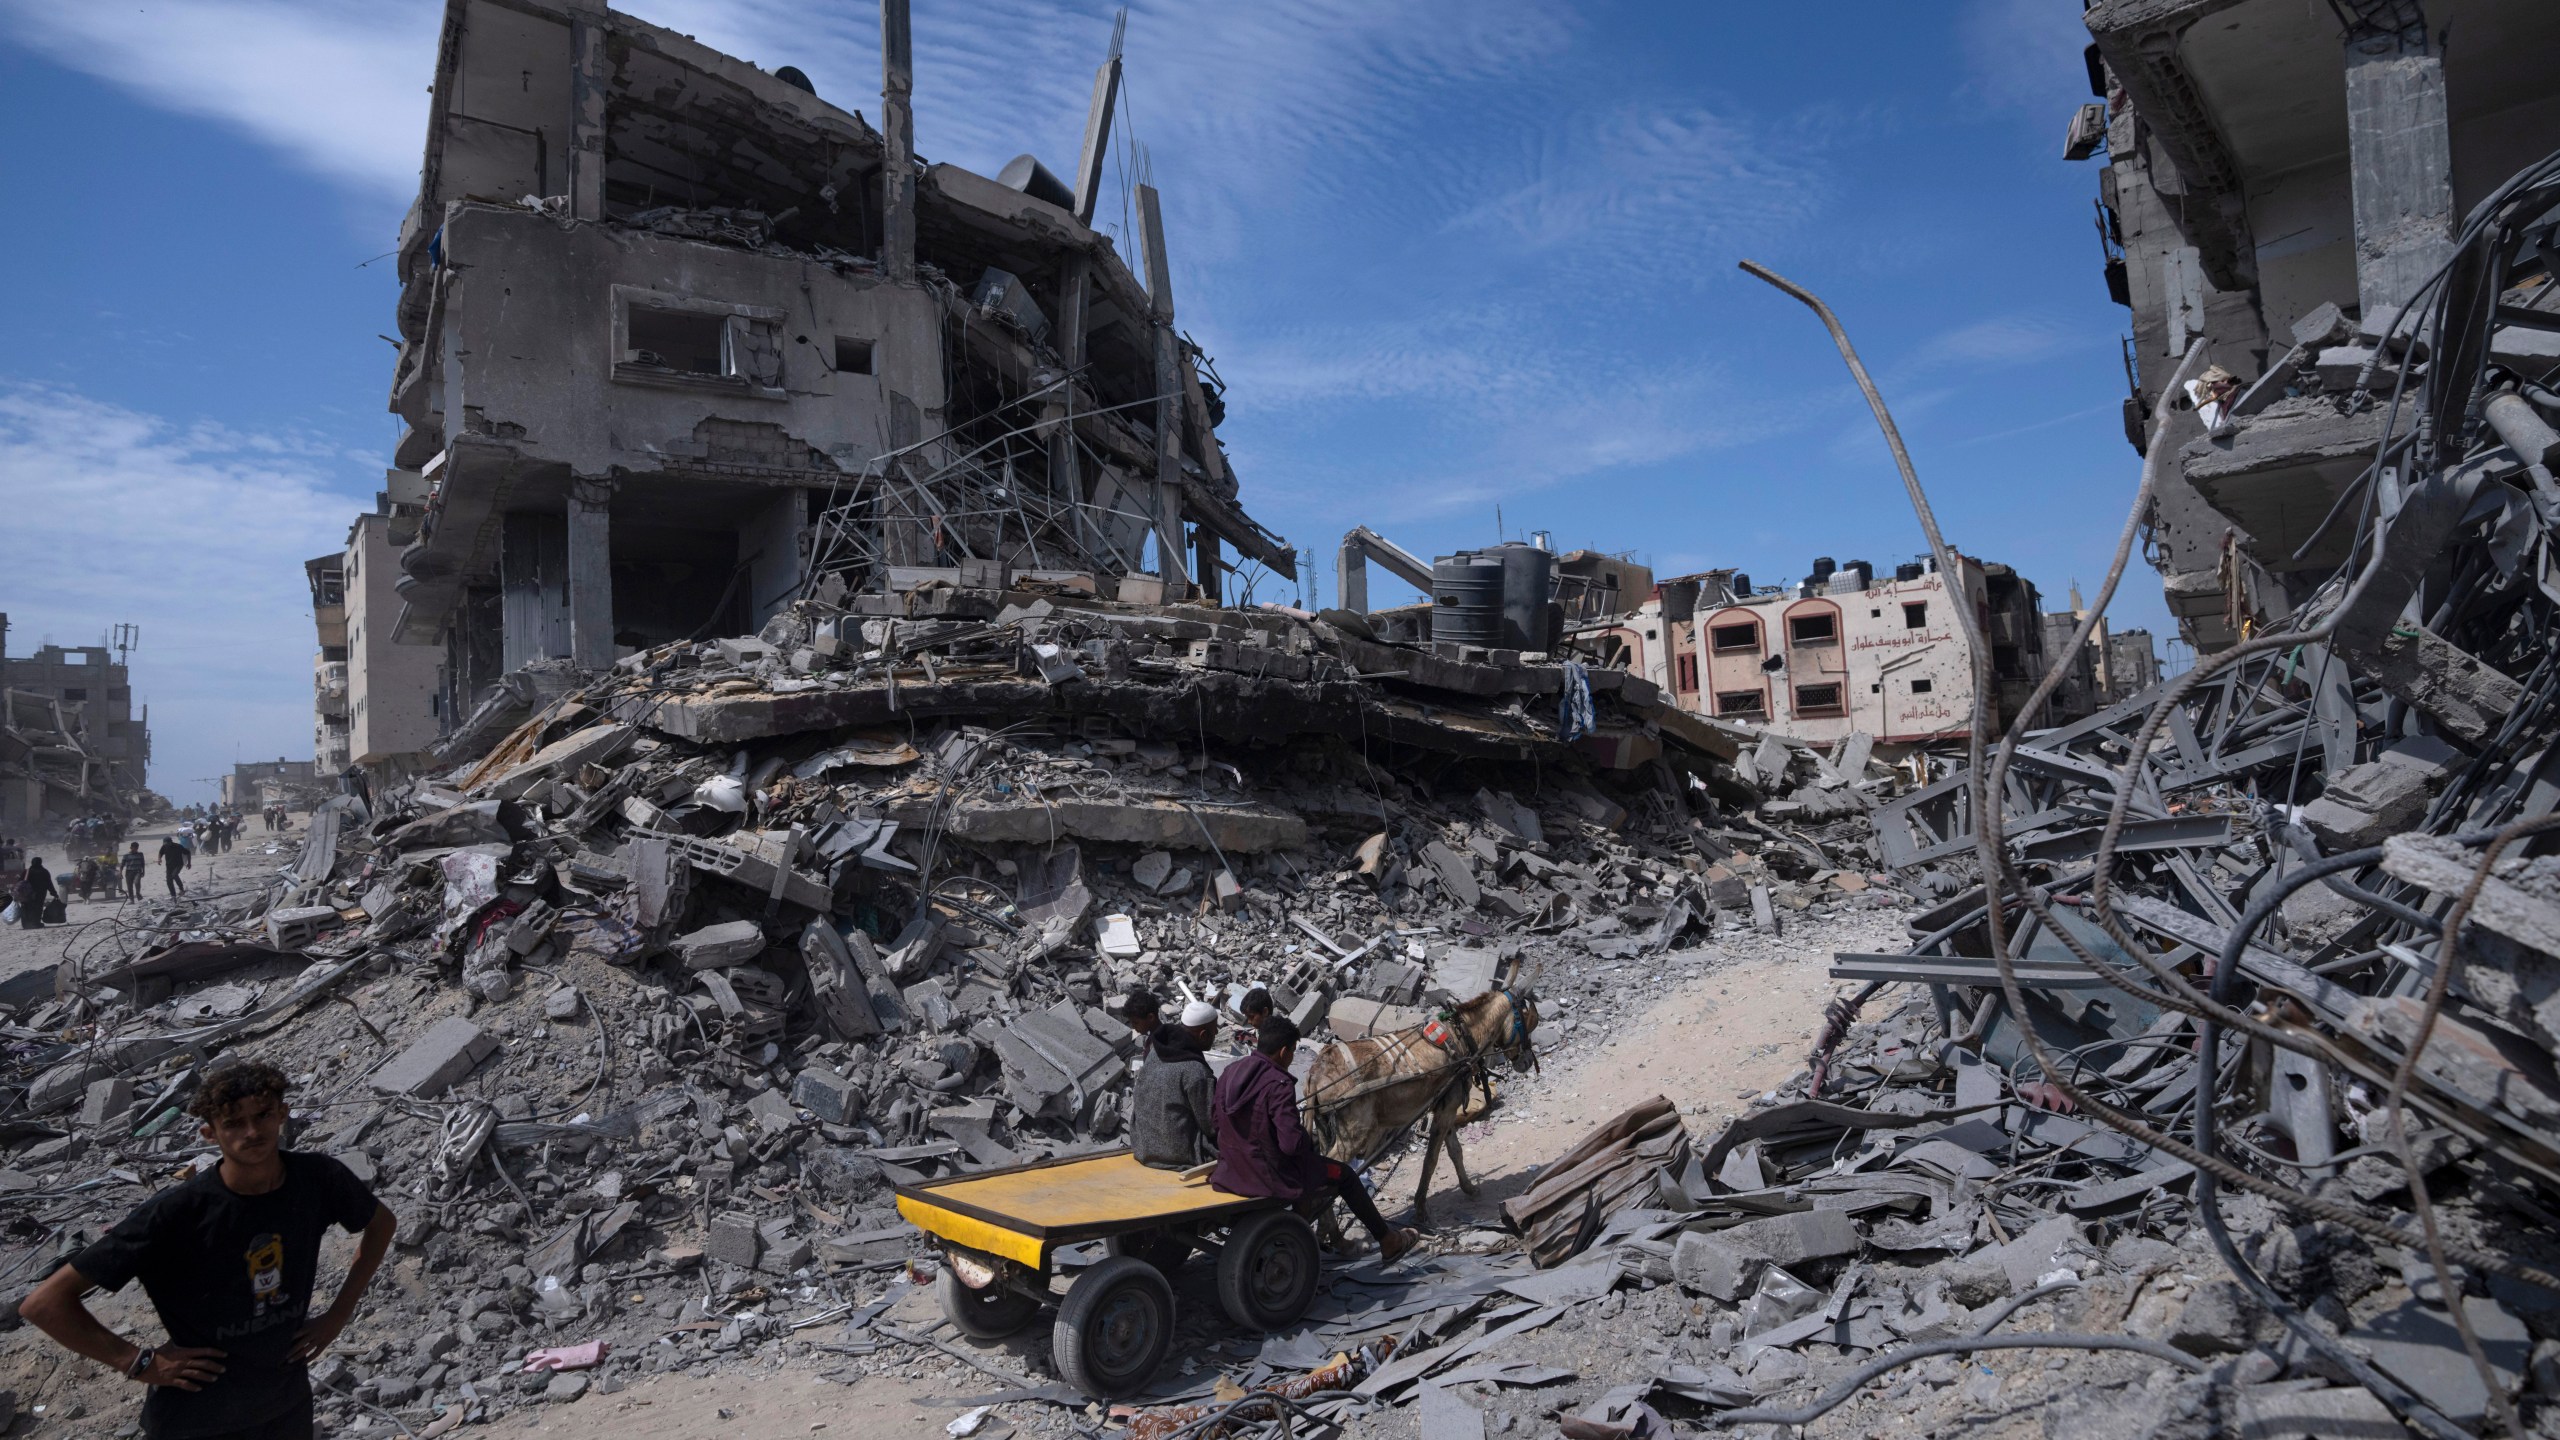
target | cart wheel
[
  {"x": 989, "y": 1314},
  {"x": 1114, "y": 1327},
  {"x": 1161, "y": 1248},
  {"x": 1267, "y": 1272}
]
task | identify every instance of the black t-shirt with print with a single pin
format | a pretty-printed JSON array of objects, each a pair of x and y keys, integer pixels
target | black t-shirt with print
[{"x": 234, "y": 1272}]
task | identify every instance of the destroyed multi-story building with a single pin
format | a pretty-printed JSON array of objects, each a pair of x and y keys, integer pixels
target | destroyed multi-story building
[
  {"x": 2133, "y": 664},
  {"x": 1841, "y": 652},
  {"x": 2280, "y": 179},
  {"x": 374, "y": 700},
  {"x": 71, "y": 741},
  {"x": 329, "y": 739},
  {"x": 682, "y": 341},
  {"x": 255, "y": 784},
  {"x": 2110, "y": 666}
]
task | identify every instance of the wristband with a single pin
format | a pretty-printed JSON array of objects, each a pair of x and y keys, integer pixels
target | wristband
[{"x": 141, "y": 1365}]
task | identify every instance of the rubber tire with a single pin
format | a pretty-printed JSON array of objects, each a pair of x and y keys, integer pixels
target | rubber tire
[
  {"x": 1164, "y": 1251},
  {"x": 1121, "y": 1291},
  {"x": 1268, "y": 1271},
  {"x": 990, "y": 1314}
]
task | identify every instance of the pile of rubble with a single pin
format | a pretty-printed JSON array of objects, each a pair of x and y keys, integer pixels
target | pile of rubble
[{"x": 637, "y": 1009}]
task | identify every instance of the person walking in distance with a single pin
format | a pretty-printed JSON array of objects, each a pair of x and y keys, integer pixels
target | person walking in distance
[
  {"x": 174, "y": 857},
  {"x": 231, "y": 1261},
  {"x": 35, "y": 891},
  {"x": 133, "y": 865}
]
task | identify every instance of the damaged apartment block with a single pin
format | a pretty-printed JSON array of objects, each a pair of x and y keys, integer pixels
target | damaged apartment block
[{"x": 682, "y": 342}]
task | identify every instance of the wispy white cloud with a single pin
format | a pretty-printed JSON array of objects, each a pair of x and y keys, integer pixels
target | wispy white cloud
[
  {"x": 195, "y": 532},
  {"x": 1623, "y": 187},
  {"x": 339, "y": 85},
  {"x": 2025, "y": 54},
  {"x": 2000, "y": 340}
]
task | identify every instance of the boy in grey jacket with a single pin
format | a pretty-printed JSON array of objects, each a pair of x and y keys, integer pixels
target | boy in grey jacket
[{"x": 1169, "y": 1122}]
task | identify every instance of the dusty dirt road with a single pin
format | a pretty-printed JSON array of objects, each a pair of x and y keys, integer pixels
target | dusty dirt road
[
  {"x": 244, "y": 866},
  {"x": 1709, "y": 1044}
]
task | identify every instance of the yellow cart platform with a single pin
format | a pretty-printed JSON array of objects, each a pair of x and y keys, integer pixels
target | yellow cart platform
[{"x": 1000, "y": 1230}]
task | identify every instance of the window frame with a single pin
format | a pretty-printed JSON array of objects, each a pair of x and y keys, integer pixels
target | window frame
[
  {"x": 1759, "y": 703},
  {"x": 1748, "y": 624},
  {"x": 1804, "y": 709},
  {"x": 1911, "y": 622},
  {"x": 1829, "y": 616},
  {"x": 736, "y": 323}
]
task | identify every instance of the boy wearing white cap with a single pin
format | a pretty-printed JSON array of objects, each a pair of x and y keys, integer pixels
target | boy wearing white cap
[{"x": 1169, "y": 1123}]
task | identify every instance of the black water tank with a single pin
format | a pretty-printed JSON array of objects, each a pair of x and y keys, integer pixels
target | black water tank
[
  {"x": 1679, "y": 600},
  {"x": 1824, "y": 567},
  {"x": 1528, "y": 584},
  {"x": 1740, "y": 586},
  {"x": 1907, "y": 570},
  {"x": 1466, "y": 599},
  {"x": 1865, "y": 572},
  {"x": 1026, "y": 174}
]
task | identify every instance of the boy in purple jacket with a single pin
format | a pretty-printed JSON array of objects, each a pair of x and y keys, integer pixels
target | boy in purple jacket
[{"x": 1263, "y": 1150}]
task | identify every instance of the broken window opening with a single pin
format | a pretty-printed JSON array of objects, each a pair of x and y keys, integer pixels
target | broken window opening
[
  {"x": 74, "y": 692},
  {"x": 1741, "y": 702},
  {"x": 1915, "y": 615},
  {"x": 1923, "y": 687},
  {"x": 686, "y": 342},
  {"x": 1816, "y": 629},
  {"x": 1818, "y": 700},
  {"x": 672, "y": 338},
  {"x": 1688, "y": 677},
  {"x": 853, "y": 357},
  {"x": 1734, "y": 639}
]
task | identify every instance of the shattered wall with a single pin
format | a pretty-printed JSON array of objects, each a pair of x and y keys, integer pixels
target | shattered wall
[{"x": 653, "y": 292}]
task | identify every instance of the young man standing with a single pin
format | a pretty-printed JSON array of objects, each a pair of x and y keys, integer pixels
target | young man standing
[
  {"x": 133, "y": 865},
  {"x": 230, "y": 1259}
]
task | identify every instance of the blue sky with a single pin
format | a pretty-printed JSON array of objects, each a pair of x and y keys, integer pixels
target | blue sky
[{"x": 1455, "y": 258}]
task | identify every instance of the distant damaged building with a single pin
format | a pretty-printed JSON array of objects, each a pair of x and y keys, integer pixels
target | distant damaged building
[
  {"x": 1843, "y": 651},
  {"x": 682, "y": 342},
  {"x": 2281, "y": 179},
  {"x": 71, "y": 741}
]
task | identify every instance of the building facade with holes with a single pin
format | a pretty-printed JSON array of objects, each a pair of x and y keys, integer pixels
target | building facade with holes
[
  {"x": 1839, "y": 652},
  {"x": 681, "y": 341}
]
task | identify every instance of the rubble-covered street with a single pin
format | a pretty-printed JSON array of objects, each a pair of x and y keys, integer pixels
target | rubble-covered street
[{"x": 829, "y": 898}]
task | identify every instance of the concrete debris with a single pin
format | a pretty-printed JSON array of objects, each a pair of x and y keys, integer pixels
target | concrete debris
[
  {"x": 655, "y": 993},
  {"x": 647, "y": 981}
]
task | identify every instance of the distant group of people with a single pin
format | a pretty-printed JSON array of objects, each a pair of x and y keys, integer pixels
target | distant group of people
[
  {"x": 1243, "y": 1120},
  {"x": 94, "y": 866}
]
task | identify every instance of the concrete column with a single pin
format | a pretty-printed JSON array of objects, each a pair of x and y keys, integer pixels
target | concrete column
[
  {"x": 1097, "y": 128},
  {"x": 533, "y": 579},
  {"x": 590, "y": 570},
  {"x": 589, "y": 83},
  {"x": 769, "y": 541},
  {"x": 2400, "y": 158},
  {"x": 1205, "y": 560},
  {"x": 1066, "y": 475},
  {"x": 1168, "y": 410},
  {"x": 897, "y": 144}
]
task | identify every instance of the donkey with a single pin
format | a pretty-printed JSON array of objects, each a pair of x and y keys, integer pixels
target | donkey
[{"x": 1361, "y": 1094}]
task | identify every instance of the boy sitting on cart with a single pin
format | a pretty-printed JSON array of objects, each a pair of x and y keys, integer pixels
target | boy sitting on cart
[{"x": 1264, "y": 1151}]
